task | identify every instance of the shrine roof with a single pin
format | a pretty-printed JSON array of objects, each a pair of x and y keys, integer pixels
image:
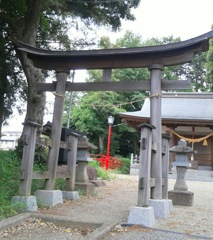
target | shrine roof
[
  {"x": 178, "y": 108},
  {"x": 137, "y": 57}
]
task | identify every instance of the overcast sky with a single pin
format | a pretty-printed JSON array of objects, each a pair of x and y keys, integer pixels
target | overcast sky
[{"x": 162, "y": 18}]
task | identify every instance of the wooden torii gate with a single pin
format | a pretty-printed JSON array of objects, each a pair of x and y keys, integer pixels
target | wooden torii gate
[{"x": 155, "y": 58}]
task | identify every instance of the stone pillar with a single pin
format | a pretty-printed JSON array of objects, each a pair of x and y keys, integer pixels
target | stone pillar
[{"x": 180, "y": 195}]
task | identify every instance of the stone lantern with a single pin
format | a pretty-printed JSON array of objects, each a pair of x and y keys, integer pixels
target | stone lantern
[
  {"x": 82, "y": 179},
  {"x": 180, "y": 195}
]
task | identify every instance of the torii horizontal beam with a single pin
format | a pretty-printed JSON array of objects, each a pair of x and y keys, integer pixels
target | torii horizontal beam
[
  {"x": 137, "y": 57},
  {"x": 114, "y": 86}
]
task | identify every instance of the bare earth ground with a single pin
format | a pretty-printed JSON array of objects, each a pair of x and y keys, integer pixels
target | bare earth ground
[{"x": 111, "y": 204}]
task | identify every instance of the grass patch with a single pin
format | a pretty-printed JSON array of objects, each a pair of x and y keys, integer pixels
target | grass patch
[
  {"x": 10, "y": 164},
  {"x": 9, "y": 182},
  {"x": 125, "y": 168},
  {"x": 106, "y": 175},
  {"x": 102, "y": 172}
]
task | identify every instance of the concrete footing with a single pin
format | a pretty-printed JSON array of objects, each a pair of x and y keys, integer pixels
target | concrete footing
[
  {"x": 49, "y": 198},
  {"x": 170, "y": 204},
  {"x": 134, "y": 169},
  {"x": 141, "y": 215},
  {"x": 29, "y": 202},
  {"x": 182, "y": 198},
  {"x": 161, "y": 207},
  {"x": 70, "y": 195}
]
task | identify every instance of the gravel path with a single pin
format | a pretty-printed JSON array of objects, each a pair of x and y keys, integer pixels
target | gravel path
[{"x": 111, "y": 204}]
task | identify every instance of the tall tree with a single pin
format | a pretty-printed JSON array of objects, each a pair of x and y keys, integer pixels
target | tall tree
[
  {"x": 196, "y": 72},
  {"x": 45, "y": 22},
  {"x": 10, "y": 79}
]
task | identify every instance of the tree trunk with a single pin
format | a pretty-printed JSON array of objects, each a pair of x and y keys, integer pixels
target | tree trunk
[
  {"x": 35, "y": 100},
  {"x": 1, "y": 118},
  {"x": 25, "y": 31}
]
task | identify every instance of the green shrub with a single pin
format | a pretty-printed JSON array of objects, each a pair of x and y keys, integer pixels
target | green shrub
[
  {"x": 125, "y": 168},
  {"x": 9, "y": 182},
  {"x": 10, "y": 209},
  {"x": 102, "y": 172},
  {"x": 37, "y": 184},
  {"x": 60, "y": 184},
  {"x": 94, "y": 164}
]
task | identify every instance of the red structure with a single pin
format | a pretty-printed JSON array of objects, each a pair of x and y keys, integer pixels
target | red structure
[
  {"x": 110, "y": 122},
  {"x": 107, "y": 161}
]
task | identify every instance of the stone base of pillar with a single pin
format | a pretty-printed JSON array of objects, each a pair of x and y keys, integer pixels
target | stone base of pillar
[
  {"x": 49, "y": 198},
  {"x": 161, "y": 207},
  {"x": 70, "y": 195},
  {"x": 170, "y": 204},
  {"x": 141, "y": 215},
  {"x": 134, "y": 169},
  {"x": 29, "y": 202},
  {"x": 182, "y": 198},
  {"x": 86, "y": 188}
]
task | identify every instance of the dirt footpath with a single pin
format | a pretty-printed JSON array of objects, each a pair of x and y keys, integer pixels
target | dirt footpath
[{"x": 111, "y": 204}]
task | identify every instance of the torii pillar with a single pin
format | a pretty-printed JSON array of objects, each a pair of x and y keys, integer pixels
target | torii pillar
[
  {"x": 56, "y": 128},
  {"x": 49, "y": 196},
  {"x": 155, "y": 120},
  {"x": 161, "y": 206}
]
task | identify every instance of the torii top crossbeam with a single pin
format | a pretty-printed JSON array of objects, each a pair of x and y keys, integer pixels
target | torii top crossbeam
[{"x": 137, "y": 57}]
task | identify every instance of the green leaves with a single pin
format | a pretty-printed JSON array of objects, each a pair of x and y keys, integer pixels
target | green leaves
[
  {"x": 49, "y": 24},
  {"x": 9, "y": 173},
  {"x": 103, "y": 12}
]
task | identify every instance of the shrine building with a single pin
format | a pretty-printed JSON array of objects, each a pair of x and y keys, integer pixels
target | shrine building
[{"x": 184, "y": 115}]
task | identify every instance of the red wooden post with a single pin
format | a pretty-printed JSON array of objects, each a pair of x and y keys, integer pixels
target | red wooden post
[
  {"x": 110, "y": 122},
  {"x": 108, "y": 146}
]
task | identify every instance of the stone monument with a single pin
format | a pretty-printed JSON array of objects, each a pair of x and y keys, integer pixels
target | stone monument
[
  {"x": 180, "y": 195},
  {"x": 82, "y": 179}
]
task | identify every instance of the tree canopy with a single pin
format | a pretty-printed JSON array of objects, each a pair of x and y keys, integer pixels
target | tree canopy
[{"x": 51, "y": 24}]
